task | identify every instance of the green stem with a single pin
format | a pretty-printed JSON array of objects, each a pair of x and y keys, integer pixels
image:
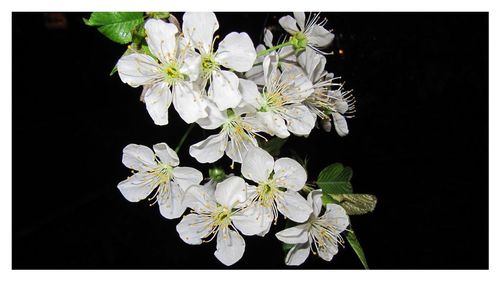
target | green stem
[
  {"x": 267, "y": 51},
  {"x": 183, "y": 139}
]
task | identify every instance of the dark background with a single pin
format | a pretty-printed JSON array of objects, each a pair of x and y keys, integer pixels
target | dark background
[{"x": 418, "y": 142}]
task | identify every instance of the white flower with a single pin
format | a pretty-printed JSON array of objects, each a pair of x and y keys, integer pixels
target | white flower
[
  {"x": 279, "y": 106},
  {"x": 325, "y": 102},
  {"x": 237, "y": 135},
  {"x": 276, "y": 190},
  {"x": 214, "y": 210},
  {"x": 157, "y": 170},
  {"x": 320, "y": 234},
  {"x": 307, "y": 32},
  {"x": 236, "y": 52},
  {"x": 170, "y": 79}
]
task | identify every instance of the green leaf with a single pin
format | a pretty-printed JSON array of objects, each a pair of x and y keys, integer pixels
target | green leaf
[
  {"x": 327, "y": 199},
  {"x": 356, "y": 246},
  {"x": 158, "y": 15},
  {"x": 273, "y": 146},
  {"x": 357, "y": 204},
  {"x": 117, "y": 26},
  {"x": 335, "y": 179}
]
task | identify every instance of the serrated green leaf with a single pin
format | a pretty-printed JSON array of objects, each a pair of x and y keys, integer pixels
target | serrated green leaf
[
  {"x": 272, "y": 146},
  {"x": 357, "y": 204},
  {"x": 117, "y": 26},
  {"x": 335, "y": 179},
  {"x": 356, "y": 246}
]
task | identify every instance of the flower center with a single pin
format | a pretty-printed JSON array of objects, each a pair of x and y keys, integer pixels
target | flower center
[
  {"x": 208, "y": 65},
  {"x": 172, "y": 74},
  {"x": 221, "y": 217},
  {"x": 163, "y": 172},
  {"x": 299, "y": 41},
  {"x": 266, "y": 193},
  {"x": 273, "y": 101}
]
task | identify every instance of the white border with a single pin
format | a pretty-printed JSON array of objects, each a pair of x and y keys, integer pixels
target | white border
[{"x": 252, "y": 5}]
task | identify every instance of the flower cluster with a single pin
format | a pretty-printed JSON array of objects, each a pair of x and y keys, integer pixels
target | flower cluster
[{"x": 244, "y": 93}]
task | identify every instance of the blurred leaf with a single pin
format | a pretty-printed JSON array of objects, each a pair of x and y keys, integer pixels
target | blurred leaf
[
  {"x": 335, "y": 179},
  {"x": 273, "y": 146},
  {"x": 356, "y": 246},
  {"x": 117, "y": 26},
  {"x": 357, "y": 204}
]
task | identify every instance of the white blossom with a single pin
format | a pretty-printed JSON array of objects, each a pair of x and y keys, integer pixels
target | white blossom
[
  {"x": 279, "y": 103},
  {"x": 235, "y": 52},
  {"x": 320, "y": 234},
  {"x": 168, "y": 76},
  {"x": 308, "y": 32},
  {"x": 214, "y": 209},
  {"x": 157, "y": 170},
  {"x": 325, "y": 102},
  {"x": 278, "y": 183},
  {"x": 237, "y": 135}
]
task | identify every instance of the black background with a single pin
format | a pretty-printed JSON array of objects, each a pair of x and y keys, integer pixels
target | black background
[{"x": 419, "y": 142}]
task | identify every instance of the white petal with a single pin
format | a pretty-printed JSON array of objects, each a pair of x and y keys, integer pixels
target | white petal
[
  {"x": 270, "y": 68},
  {"x": 209, "y": 150},
  {"x": 161, "y": 39},
  {"x": 341, "y": 106},
  {"x": 137, "y": 187},
  {"x": 294, "y": 235},
  {"x": 329, "y": 250},
  {"x": 299, "y": 119},
  {"x": 268, "y": 38},
  {"x": 340, "y": 124},
  {"x": 272, "y": 124},
  {"x": 138, "y": 69},
  {"x": 302, "y": 86},
  {"x": 170, "y": 202},
  {"x": 337, "y": 216},
  {"x": 138, "y": 157},
  {"x": 200, "y": 198},
  {"x": 224, "y": 89},
  {"x": 298, "y": 254},
  {"x": 301, "y": 18},
  {"x": 320, "y": 37},
  {"x": 166, "y": 154},
  {"x": 250, "y": 93},
  {"x": 158, "y": 99},
  {"x": 191, "y": 62},
  {"x": 289, "y": 24},
  {"x": 257, "y": 165},
  {"x": 187, "y": 176},
  {"x": 215, "y": 117},
  {"x": 192, "y": 228},
  {"x": 231, "y": 191},
  {"x": 312, "y": 63},
  {"x": 236, "y": 52},
  {"x": 256, "y": 73},
  {"x": 290, "y": 174},
  {"x": 189, "y": 103},
  {"x": 294, "y": 206},
  {"x": 199, "y": 28},
  {"x": 237, "y": 149},
  {"x": 253, "y": 220},
  {"x": 314, "y": 199},
  {"x": 230, "y": 247}
]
